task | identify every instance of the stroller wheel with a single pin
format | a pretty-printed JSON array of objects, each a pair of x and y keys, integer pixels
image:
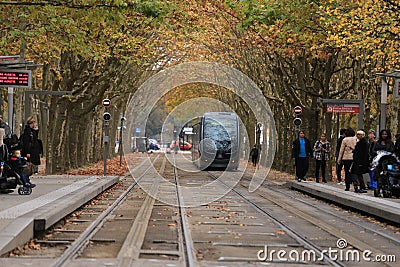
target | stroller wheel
[
  {"x": 386, "y": 194},
  {"x": 21, "y": 191},
  {"x": 24, "y": 190}
]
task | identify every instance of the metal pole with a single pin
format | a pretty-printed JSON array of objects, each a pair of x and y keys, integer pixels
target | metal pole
[
  {"x": 10, "y": 108},
  {"x": 361, "y": 115},
  {"x": 384, "y": 87},
  {"x": 105, "y": 146},
  {"x": 27, "y": 105},
  {"x": 120, "y": 141}
]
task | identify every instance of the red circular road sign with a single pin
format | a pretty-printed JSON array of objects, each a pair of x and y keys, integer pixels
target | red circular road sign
[
  {"x": 298, "y": 110},
  {"x": 106, "y": 102}
]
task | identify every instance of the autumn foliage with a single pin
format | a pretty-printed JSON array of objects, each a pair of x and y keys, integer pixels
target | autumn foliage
[
  {"x": 296, "y": 51},
  {"x": 113, "y": 168}
]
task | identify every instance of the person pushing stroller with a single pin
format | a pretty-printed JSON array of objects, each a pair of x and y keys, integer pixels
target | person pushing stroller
[
  {"x": 382, "y": 156},
  {"x": 19, "y": 164}
]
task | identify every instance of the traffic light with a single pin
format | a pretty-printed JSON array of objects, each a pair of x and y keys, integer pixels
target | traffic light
[
  {"x": 297, "y": 121},
  {"x": 106, "y": 116}
]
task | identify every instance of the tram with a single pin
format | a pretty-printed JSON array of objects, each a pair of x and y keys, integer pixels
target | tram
[{"x": 216, "y": 141}]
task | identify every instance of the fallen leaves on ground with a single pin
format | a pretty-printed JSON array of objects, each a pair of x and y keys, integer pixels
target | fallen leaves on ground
[{"x": 113, "y": 168}]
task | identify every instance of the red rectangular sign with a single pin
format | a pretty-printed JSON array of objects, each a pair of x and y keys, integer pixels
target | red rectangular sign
[
  {"x": 343, "y": 108},
  {"x": 8, "y": 58},
  {"x": 15, "y": 78}
]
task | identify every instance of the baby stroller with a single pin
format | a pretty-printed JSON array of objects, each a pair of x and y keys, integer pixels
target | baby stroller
[
  {"x": 9, "y": 180},
  {"x": 388, "y": 173}
]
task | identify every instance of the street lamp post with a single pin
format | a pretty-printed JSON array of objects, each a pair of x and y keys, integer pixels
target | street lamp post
[{"x": 384, "y": 91}]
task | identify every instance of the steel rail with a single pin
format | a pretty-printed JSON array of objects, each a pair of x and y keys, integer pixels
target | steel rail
[
  {"x": 96, "y": 225},
  {"x": 294, "y": 234},
  {"x": 369, "y": 229},
  {"x": 191, "y": 257},
  {"x": 356, "y": 243},
  {"x": 130, "y": 249}
]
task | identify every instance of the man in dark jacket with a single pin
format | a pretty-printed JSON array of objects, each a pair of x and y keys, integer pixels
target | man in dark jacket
[
  {"x": 254, "y": 155},
  {"x": 301, "y": 152}
]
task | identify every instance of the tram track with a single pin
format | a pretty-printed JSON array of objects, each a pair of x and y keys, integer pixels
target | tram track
[
  {"x": 84, "y": 239},
  {"x": 285, "y": 227},
  {"x": 76, "y": 234},
  {"x": 275, "y": 196},
  {"x": 389, "y": 238},
  {"x": 150, "y": 221},
  {"x": 190, "y": 258},
  {"x": 303, "y": 238}
]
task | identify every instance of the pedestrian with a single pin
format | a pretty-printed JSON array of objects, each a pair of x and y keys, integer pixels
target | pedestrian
[
  {"x": 31, "y": 148},
  {"x": 301, "y": 152},
  {"x": 371, "y": 144},
  {"x": 6, "y": 128},
  {"x": 360, "y": 163},
  {"x": 339, "y": 167},
  {"x": 397, "y": 145},
  {"x": 3, "y": 147},
  {"x": 346, "y": 155},
  {"x": 322, "y": 150},
  {"x": 384, "y": 142},
  {"x": 254, "y": 155},
  {"x": 176, "y": 146}
]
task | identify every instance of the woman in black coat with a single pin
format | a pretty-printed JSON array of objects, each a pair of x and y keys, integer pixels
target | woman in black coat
[
  {"x": 360, "y": 162},
  {"x": 31, "y": 147}
]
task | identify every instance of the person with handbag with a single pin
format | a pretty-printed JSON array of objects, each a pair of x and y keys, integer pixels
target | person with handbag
[
  {"x": 31, "y": 145},
  {"x": 22, "y": 168},
  {"x": 346, "y": 155}
]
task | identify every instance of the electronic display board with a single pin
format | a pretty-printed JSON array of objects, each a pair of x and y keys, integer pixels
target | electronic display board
[{"x": 15, "y": 78}]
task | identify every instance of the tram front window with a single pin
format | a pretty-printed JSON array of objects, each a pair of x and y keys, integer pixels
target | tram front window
[{"x": 222, "y": 132}]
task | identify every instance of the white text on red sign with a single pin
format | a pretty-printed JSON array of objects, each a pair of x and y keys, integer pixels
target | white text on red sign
[{"x": 345, "y": 108}]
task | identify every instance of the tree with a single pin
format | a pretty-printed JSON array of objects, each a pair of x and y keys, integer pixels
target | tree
[
  {"x": 295, "y": 51},
  {"x": 95, "y": 49}
]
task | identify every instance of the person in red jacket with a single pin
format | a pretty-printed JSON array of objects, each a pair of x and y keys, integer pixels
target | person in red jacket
[{"x": 17, "y": 164}]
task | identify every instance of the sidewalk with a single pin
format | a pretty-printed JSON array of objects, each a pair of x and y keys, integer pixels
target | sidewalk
[{"x": 54, "y": 197}]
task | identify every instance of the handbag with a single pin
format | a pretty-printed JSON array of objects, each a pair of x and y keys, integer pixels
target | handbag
[{"x": 29, "y": 169}]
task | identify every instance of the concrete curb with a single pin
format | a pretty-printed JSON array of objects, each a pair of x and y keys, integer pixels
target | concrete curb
[
  {"x": 379, "y": 207},
  {"x": 23, "y": 228}
]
